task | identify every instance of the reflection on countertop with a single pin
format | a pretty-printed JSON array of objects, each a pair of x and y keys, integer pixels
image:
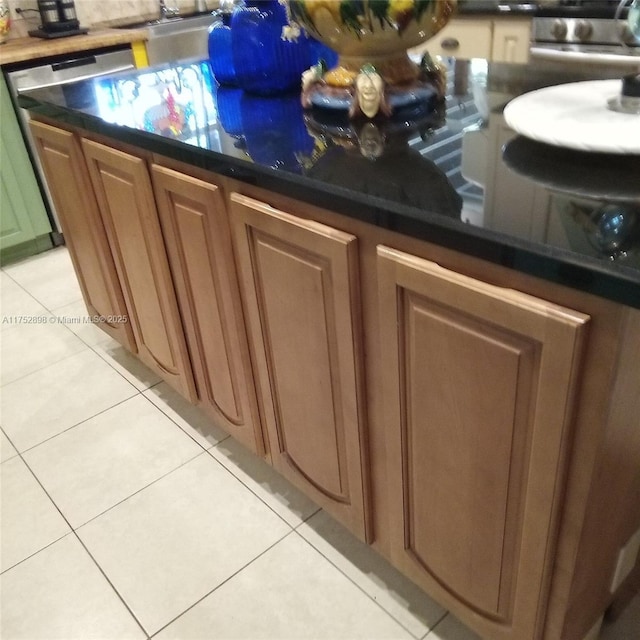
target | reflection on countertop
[{"x": 446, "y": 181}]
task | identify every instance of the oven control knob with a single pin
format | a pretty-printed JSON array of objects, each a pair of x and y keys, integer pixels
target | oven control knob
[
  {"x": 559, "y": 29},
  {"x": 626, "y": 35},
  {"x": 583, "y": 30}
]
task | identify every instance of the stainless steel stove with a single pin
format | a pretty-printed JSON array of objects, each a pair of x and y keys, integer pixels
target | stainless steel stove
[{"x": 589, "y": 31}]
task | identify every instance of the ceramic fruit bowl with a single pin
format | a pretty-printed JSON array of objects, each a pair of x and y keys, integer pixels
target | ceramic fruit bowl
[
  {"x": 373, "y": 31},
  {"x": 371, "y": 27},
  {"x": 374, "y": 75}
]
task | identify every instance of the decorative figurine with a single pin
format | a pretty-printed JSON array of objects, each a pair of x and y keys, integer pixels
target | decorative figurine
[{"x": 369, "y": 93}]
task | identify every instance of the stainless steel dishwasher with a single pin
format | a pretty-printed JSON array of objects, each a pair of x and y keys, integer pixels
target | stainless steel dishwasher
[{"x": 57, "y": 74}]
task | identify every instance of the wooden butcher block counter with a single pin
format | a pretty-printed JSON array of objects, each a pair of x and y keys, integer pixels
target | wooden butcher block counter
[{"x": 28, "y": 48}]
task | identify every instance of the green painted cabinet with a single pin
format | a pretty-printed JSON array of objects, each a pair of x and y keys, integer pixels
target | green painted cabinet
[{"x": 24, "y": 225}]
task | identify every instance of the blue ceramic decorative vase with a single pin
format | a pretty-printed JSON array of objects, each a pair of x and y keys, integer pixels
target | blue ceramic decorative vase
[
  {"x": 228, "y": 101},
  {"x": 220, "y": 54},
  {"x": 274, "y": 131},
  {"x": 264, "y": 63}
]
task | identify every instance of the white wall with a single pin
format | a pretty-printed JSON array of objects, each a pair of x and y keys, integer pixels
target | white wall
[{"x": 98, "y": 11}]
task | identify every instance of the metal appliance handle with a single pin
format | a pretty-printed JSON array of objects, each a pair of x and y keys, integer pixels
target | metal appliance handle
[
  {"x": 585, "y": 56},
  {"x": 71, "y": 64},
  {"x": 86, "y": 76}
]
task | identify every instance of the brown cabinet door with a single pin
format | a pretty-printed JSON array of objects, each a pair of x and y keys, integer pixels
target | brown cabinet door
[
  {"x": 68, "y": 180},
  {"x": 196, "y": 232},
  {"x": 125, "y": 198},
  {"x": 478, "y": 384},
  {"x": 300, "y": 285}
]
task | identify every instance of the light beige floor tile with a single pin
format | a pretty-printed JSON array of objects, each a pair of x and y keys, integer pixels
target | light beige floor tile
[
  {"x": 75, "y": 317},
  {"x": 138, "y": 374},
  {"x": 7, "y": 450},
  {"x": 29, "y": 520},
  {"x": 373, "y": 574},
  {"x": 51, "y": 400},
  {"x": 173, "y": 542},
  {"x": 451, "y": 629},
  {"x": 59, "y": 594},
  {"x": 627, "y": 626},
  {"x": 15, "y": 303},
  {"x": 88, "y": 469},
  {"x": 189, "y": 418},
  {"x": 287, "y": 501},
  {"x": 290, "y": 592},
  {"x": 49, "y": 277},
  {"x": 28, "y": 347}
]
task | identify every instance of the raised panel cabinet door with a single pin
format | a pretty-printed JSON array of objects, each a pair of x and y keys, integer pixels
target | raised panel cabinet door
[
  {"x": 300, "y": 284},
  {"x": 478, "y": 386},
  {"x": 196, "y": 231},
  {"x": 125, "y": 197},
  {"x": 68, "y": 179}
]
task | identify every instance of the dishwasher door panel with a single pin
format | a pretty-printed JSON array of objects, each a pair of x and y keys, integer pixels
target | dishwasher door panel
[{"x": 60, "y": 75}]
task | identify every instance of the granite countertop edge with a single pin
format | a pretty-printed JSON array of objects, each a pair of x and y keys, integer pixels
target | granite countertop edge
[{"x": 560, "y": 266}]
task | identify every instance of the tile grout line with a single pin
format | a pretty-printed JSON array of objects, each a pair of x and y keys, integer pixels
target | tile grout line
[
  {"x": 74, "y": 532},
  {"x": 6, "y": 273},
  {"x": 295, "y": 530},
  {"x": 137, "y": 491},
  {"x": 17, "y": 453},
  {"x": 308, "y": 517},
  {"x": 35, "y": 553},
  {"x": 246, "y": 486},
  {"x": 333, "y": 564},
  {"x": 30, "y": 373},
  {"x": 77, "y": 424},
  {"x": 76, "y": 529},
  {"x": 93, "y": 348},
  {"x": 44, "y": 255},
  {"x": 27, "y": 292},
  {"x": 197, "y": 602},
  {"x": 164, "y": 475},
  {"x": 208, "y": 451},
  {"x": 426, "y": 635},
  {"x": 84, "y": 546},
  {"x": 164, "y": 413},
  {"x": 41, "y": 303},
  {"x": 53, "y": 313}
]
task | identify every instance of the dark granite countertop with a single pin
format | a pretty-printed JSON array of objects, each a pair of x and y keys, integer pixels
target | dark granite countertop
[{"x": 458, "y": 177}]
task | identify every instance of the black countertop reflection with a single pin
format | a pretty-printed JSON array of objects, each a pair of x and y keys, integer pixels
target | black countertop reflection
[{"x": 451, "y": 174}]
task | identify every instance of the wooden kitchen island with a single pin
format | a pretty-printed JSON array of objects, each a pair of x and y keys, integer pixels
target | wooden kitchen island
[{"x": 462, "y": 395}]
